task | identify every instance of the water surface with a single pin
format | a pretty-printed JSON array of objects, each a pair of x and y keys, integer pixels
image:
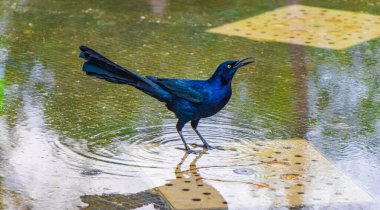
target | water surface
[{"x": 65, "y": 135}]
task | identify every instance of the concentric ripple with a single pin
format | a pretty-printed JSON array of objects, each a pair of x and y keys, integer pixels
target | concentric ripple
[{"x": 159, "y": 147}]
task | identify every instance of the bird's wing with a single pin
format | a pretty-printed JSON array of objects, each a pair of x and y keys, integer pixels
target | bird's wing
[{"x": 191, "y": 90}]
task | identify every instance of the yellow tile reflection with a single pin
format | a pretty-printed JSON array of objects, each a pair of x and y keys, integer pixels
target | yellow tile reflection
[
  {"x": 189, "y": 191},
  {"x": 305, "y": 25},
  {"x": 297, "y": 174}
]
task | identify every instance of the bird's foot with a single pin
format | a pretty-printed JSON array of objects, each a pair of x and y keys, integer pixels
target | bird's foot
[
  {"x": 208, "y": 147},
  {"x": 190, "y": 151},
  {"x": 204, "y": 146}
]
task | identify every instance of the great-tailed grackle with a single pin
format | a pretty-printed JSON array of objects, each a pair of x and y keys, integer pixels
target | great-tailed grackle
[{"x": 190, "y": 100}]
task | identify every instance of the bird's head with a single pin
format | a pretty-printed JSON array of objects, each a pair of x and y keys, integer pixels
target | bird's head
[{"x": 227, "y": 70}]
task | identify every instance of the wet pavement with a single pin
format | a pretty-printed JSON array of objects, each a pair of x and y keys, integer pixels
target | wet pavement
[{"x": 302, "y": 129}]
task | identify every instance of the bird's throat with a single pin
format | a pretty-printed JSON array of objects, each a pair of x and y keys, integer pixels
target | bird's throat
[{"x": 224, "y": 81}]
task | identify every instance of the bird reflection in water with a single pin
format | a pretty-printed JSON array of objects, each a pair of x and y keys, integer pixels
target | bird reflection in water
[{"x": 187, "y": 191}]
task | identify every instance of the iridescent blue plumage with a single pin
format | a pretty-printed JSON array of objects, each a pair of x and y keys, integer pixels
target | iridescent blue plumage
[{"x": 190, "y": 100}]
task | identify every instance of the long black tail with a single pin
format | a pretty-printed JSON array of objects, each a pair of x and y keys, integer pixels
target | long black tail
[{"x": 100, "y": 67}]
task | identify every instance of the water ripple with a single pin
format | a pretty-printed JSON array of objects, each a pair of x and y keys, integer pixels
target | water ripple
[{"x": 159, "y": 147}]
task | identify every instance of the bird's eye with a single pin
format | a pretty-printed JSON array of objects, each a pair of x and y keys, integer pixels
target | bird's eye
[{"x": 229, "y": 66}]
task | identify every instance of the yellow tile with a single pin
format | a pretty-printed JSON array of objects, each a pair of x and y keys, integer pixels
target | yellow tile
[
  {"x": 295, "y": 173},
  {"x": 285, "y": 173},
  {"x": 305, "y": 25}
]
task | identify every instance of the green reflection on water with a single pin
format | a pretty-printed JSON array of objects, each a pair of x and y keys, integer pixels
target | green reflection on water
[
  {"x": 1, "y": 96},
  {"x": 370, "y": 110},
  {"x": 171, "y": 44}
]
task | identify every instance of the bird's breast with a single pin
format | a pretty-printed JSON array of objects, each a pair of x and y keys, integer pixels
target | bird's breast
[
  {"x": 216, "y": 102},
  {"x": 187, "y": 110}
]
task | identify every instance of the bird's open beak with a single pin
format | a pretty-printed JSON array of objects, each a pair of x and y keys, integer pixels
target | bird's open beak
[{"x": 240, "y": 63}]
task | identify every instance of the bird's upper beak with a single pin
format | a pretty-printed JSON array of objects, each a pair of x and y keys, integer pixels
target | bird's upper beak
[{"x": 240, "y": 63}]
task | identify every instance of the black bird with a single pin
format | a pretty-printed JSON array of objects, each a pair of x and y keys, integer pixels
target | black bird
[{"x": 190, "y": 100}]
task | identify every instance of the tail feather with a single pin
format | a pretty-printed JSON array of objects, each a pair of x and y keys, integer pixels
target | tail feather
[{"x": 101, "y": 67}]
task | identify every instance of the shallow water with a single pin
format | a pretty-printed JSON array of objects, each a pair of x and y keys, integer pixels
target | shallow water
[{"x": 65, "y": 135}]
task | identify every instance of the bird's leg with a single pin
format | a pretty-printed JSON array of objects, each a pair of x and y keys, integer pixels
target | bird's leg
[
  {"x": 179, "y": 126},
  {"x": 194, "y": 125}
]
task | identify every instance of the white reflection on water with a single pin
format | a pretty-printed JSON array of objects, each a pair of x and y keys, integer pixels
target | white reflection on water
[
  {"x": 337, "y": 92},
  {"x": 47, "y": 175}
]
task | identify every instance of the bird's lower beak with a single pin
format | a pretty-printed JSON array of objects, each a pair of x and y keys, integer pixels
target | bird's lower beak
[{"x": 240, "y": 63}]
